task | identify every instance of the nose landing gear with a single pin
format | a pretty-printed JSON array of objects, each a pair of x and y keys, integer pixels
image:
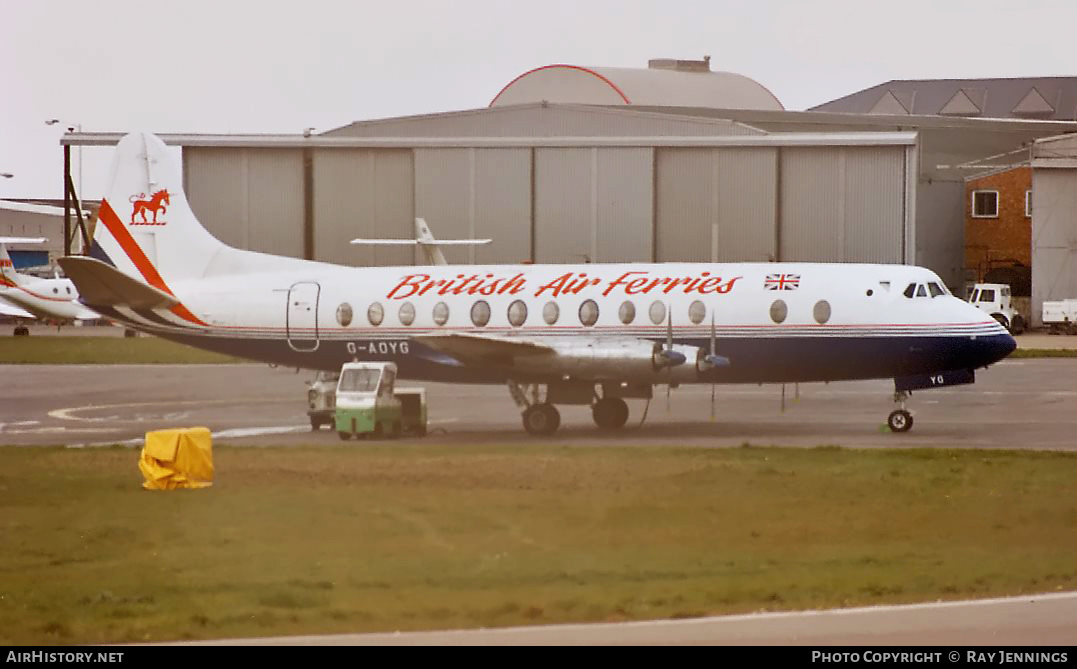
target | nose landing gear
[{"x": 899, "y": 419}]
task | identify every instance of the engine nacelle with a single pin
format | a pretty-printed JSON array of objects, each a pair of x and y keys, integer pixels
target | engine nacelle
[{"x": 632, "y": 360}]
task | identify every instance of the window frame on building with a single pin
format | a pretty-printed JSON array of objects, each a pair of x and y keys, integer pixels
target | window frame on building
[{"x": 984, "y": 192}]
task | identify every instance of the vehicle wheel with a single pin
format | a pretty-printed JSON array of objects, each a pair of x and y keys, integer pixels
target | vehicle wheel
[
  {"x": 22, "y": 331},
  {"x": 610, "y": 413},
  {"x": 344, "y": 436},
  {"x": 315, "y": 424},
  {"x": 1002, "y": 320},
  {"x": 128, "y": 332},
  {"x": 899, "y": 421},
  {"x": 541, "y": 419},
  {"x": 1018, "y": 325}
]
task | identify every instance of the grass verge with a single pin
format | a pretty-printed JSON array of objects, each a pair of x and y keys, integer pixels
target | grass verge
[
  {"x": 372, "y": 538},
  {"x": 104, "y": 351}
]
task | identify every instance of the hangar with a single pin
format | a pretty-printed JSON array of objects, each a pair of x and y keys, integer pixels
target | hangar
[{"x": 607, "y": 181}]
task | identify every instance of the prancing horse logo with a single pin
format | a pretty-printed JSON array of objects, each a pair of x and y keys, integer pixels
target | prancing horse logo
[{"x": 157, "y": 203}]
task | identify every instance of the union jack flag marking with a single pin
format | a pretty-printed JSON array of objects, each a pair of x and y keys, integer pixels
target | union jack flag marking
[{"x": 782, "y": 282}]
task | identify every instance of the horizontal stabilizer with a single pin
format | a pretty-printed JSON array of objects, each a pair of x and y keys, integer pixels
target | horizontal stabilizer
[
  {"x": 424, "y": 242},
  {"x": 9, "y": 309},
  {"x": 102, "y": 284},
  {"x": 23, "y": 240}
]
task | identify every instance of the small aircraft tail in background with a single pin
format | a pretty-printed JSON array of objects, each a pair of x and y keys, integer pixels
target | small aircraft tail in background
[{"x": 424, "y": 239}]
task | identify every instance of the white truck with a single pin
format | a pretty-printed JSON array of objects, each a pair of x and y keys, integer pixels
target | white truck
[
  {"x": 1060, "y": 316},
  {"x": 995, "y": 299}
]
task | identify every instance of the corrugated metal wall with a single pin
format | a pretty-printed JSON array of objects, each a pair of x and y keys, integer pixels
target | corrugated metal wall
[
  {"x": 842, "y": 204},
  {"x": 1054, "y": 237},
  {"x": 363, "y": 193},
  {"x": 250, "y": 198},
  {"x": 476, "y": 194},
  {"x": 715, "y": 204},
  {"x": 593, "y": 204}
]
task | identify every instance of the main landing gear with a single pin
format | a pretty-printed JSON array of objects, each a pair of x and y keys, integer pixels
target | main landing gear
[
  {"x": 899, "y": 419},
  {"x": 541, "y": 417}
]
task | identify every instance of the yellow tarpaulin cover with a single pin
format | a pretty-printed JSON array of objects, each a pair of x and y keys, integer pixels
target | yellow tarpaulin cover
[{"x": 180, "y": 458}]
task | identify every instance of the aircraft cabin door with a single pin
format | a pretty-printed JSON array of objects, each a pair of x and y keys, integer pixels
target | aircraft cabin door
[{"x": 301, "y": 318}]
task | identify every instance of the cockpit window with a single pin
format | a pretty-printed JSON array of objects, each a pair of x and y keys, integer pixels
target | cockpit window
[
  {"x": 935, "y": 289},
  {"x": 911, "y": 290},
  {"x": 921, "y": 291}
]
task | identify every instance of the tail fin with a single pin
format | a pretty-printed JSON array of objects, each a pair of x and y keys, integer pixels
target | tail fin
[
  {"x": 8, "y": 276},
  {"x": 145, "y": 227}
]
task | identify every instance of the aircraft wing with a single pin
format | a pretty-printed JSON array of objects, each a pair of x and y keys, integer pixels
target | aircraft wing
[
  {"x": 101, "y": 284},
  {"x": 485, "y": 348},
  {"x": 9, "y": 309}
]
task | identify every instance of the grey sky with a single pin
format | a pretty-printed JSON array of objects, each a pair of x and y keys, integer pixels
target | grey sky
[{"x": 231, "y": 66}]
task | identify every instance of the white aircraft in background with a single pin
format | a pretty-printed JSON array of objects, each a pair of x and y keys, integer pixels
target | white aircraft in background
[
  {"x": 591, "y": 334},
  {"x": 25, "y": 296},
  {"x": 424, "y": 239}
]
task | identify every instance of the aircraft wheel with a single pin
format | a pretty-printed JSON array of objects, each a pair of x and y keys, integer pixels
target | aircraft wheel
[
  {"x": 541, "y": 419},
  {"x": 610, "y": 413},
  {"x": 899, "y": 421},
  {"x": 1018, "y": 326},
  {"x": 344, "y": 436}
]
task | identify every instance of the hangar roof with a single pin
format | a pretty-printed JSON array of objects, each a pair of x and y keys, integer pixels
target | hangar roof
[
  {"x": 1053, "y": 98},
  {"x": 655, "y": 85}
]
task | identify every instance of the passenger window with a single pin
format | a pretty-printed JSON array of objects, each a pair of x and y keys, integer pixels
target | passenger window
[
  {"x": 911, "y": 290},
  {"x": 921, "y": 291},
  {"x": 697, "y": 311},
  {"x": 441, "y": 313},
  {"x": 778, "y": 311},
  {"x": 589, "y": 313},
  {"x": 821, "y": 312},
  {"x": 344, "y": 314},
  {"x": 375, "y": 314},
  {"x": 627, "y": 312},
  {"x": 935, "y": 290},
  {"x": 517, "y": 313},
  {"x": 657, "y": 312},
  {"x": 480, "y": 313},
  {"x": 551, "y": 312},
  {"x": 407, "y": 313}
]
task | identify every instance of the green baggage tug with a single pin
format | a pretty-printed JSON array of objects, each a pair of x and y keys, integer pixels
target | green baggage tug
[{"x": 368, "y": 404}]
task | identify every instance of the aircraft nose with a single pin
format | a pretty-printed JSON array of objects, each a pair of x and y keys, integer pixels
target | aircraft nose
[{"x": 997, "y": 347}]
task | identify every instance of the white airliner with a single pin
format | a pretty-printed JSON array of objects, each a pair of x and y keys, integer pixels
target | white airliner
[
  {"x": 589, "y": 334},
  {"x": 32, "y": 297}
]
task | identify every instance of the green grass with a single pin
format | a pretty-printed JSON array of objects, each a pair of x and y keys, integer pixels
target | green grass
[
  {"x": 404, "y": 536},
  {"x": 1044, "y": 353},
  {"x": 89, "y": 350}
]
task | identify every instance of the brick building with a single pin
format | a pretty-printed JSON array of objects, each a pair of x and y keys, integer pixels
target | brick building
[{"x": 998, "y": 227}]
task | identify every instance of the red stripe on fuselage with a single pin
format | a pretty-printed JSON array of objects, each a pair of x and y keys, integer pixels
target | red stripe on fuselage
[{"x": 107, "y": 216}]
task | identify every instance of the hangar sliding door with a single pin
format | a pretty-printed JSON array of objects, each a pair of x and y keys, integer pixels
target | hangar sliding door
[
  {"x": 249, "y": 198},
  {"x": 843, "y": 204},
  {"x": 593, "y": 204},
  {"x": 363, "y": 193},
  {"x": 715, "y": 204},
  {"x": 472, "y": 193},
  {"x": 1054, "y": 237}
]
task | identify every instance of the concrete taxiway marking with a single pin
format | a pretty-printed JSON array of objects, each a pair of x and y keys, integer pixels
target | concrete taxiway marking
[{"x": 66, "y": 414}]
